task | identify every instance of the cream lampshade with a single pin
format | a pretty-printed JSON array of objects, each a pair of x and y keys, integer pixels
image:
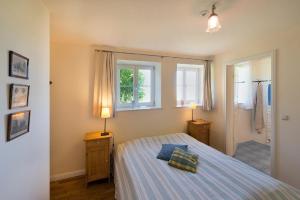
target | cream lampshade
[
  {"x": 105, "y": 113},
  {"x": 193, "y": 106}
]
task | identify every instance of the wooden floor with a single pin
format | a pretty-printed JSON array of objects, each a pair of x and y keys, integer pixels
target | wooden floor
[{"x": 75, "y": 189}]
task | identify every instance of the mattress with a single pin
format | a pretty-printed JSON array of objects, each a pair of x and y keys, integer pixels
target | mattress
[{"x": 140, "y": 175}]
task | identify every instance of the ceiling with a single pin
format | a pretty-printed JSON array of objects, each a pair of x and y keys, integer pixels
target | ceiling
[{"x": 168, "y": 25}]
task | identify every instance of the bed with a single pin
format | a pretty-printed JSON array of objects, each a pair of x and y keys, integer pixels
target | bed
[{"x": 140, "y": 175}]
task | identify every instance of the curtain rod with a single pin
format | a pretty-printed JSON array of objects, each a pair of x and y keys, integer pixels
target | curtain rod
[
  {"x": 144, "y": 54},
  {"x": 258, "y": 81}
]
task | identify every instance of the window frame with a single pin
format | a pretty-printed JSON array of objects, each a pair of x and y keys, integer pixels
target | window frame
[
  {"x": 135, "y": 104},
  {"x": 199, "y": 69}
]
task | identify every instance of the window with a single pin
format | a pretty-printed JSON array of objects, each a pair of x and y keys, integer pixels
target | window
[
  {"x": 189, "y": 84},
  {"x": 136, "y": 85},
  {"x": 243, "y": 85}
]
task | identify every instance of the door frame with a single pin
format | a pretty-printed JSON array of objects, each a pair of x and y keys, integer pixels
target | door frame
[{"x": 229, "y": 131}]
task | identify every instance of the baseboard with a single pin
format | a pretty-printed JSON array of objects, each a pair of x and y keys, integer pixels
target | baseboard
[{"x": 66, "y": 175}]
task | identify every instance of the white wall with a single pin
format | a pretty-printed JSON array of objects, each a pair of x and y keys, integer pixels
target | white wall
[
  {"x": 262, "y": 69},
  {"x": 24, "y": 161},
  {"x": 287, "y": 44},
  {"x": 71, "y": 104}
]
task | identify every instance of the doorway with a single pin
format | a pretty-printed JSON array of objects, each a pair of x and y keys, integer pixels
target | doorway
[{"x": 250, "y": 111}]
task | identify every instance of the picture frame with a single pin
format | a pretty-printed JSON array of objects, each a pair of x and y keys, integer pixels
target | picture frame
[
  {"x": 18, "y": 124},
  {"x": 18, "y": 96},
  {"x": 18, "y": 65}
]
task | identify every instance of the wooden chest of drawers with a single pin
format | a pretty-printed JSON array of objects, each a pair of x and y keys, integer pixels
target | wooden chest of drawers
[
  {"x": 97, "y": 156},
  {"x": 199, "y": 129}
]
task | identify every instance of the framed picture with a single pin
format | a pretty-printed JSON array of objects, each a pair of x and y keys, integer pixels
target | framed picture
[
  {"x": 18, "y": 96},
  {"x": 17, "y": 124},
  {"x": 18, "y": 65}
]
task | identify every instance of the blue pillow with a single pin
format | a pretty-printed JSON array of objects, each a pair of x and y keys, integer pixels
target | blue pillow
[{"x": 167, "y": 150}]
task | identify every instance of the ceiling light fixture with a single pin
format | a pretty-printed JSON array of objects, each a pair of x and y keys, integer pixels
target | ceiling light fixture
[{"x": 213, "y": 24}]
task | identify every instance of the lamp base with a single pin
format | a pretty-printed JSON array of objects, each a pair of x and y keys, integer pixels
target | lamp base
[{"x": 104, "y": 133}]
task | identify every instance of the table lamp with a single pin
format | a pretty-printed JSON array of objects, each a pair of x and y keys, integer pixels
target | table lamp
[
  {"x": 105, "y": 114},
  {"x": 193, "y": 106}
]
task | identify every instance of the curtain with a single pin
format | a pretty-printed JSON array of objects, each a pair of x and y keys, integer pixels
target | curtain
[
  {"x": 207, "y": 93},
  {"x": 104, "y": 88}
]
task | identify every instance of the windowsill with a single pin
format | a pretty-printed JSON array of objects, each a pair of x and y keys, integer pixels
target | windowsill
[
  {"x": 187, "y": 106},
  {"x": 139, "y": 108}
]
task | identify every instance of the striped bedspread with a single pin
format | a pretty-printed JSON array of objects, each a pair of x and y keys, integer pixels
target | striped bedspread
[{"x": 139, "y": 175}]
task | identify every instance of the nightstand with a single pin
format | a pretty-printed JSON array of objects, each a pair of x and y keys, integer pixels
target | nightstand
[
  {"x": 98, "y": 149},
  {"x": 199, "y": 129}
]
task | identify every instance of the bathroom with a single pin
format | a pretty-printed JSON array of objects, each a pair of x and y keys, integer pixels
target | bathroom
[{"x": 252, "y": 112}]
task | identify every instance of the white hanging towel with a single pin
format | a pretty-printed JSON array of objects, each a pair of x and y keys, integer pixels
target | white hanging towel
[{"x": 259, "y": 111}]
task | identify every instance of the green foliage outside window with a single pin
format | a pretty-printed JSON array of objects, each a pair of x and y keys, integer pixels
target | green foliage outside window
[{"x": 127, "y": 85}]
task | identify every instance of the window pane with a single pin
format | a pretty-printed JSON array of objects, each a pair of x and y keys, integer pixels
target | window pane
[
  {"x": 144, "y": 85},
  {"x": 126, "y": 85},
  {"x": 200, "y": 83},
  {"x": 243, "y": 87},
  {"x": 191, "y": 81},
  {"x": 179, "y": 83},
  {"x": 189, "y": 85}
]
